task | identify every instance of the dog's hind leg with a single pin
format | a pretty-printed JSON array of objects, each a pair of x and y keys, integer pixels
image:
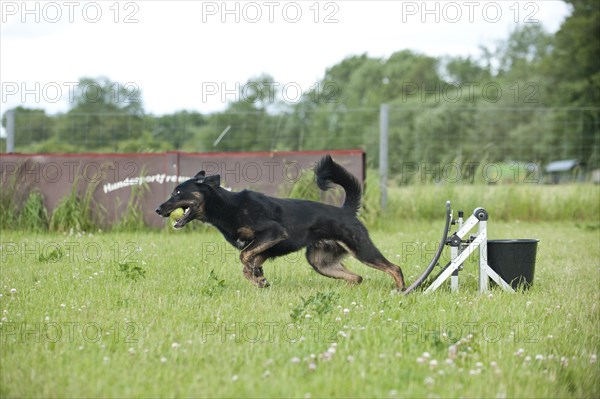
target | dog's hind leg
[
  {"x": 365, "y": 251},
  {"x": 386, "y": 266},
  {"x": 325, "y": 257}
]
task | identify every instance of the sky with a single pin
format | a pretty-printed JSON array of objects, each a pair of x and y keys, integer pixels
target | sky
[{"x": 197, "y": 55}]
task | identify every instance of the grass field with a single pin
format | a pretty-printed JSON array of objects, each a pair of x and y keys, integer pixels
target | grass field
[{"x": 170, "y": 315}]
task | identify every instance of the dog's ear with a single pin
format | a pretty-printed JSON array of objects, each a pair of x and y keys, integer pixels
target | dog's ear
[
  {"x": 200, "y": 175},
  {"x": 213, "y": 180}
]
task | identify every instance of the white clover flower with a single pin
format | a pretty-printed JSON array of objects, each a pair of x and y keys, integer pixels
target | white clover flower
[{"x": 519, "y": 352}]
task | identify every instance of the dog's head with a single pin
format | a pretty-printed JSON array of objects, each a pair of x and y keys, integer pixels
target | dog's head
[{"x": 191, "y": 196}]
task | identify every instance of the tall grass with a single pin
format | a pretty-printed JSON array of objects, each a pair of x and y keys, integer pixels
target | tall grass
[
  {"x": 305, "y": 188},
  {"x": 21, "y": 209},
  {"x": 531, "y": 202},
  {"x": 371, "y": 212},
  {"x": 506, "y": 201},
  {"x": 133, "y": 217},
  {"x": 9, "y": 200},
  {"x": 34, "y": 215},
  {"x": 75, "y": 211}
]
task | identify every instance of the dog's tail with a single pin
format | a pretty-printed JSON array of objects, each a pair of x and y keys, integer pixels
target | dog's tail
[{"x": 328, "y": 172}]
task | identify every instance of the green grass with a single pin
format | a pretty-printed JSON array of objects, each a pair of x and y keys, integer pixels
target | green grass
[
  {"x": 34, "y": 216},
  {"x": 170, "y": 315},
  {"x": 525, "y": 202},
  {"x": 74, "y": 211}
]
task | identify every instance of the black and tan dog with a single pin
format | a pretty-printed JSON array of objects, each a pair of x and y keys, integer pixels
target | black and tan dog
[{"x": 264, "y": 227}]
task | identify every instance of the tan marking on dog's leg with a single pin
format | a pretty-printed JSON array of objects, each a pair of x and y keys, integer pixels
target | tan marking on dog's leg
[
  {"x": 365, "y": 251},
  {"x": 252, "y": 260},
  {"x": 326, "y": 261},
  {"x": 253, "y": 271},
  {"x": 391, "y": 269},
  {"x": 246, "y": 233}
]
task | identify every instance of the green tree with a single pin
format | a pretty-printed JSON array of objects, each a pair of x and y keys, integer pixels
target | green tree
[
  {"x": 461, "y": 70},
  {"x": 248, "y": 119},
  {"x": 103, "y": 114},
  {"x": 178, "y": 128},
  {"x": 574, "y": 64},
  {"x": 31, "y": 126}
]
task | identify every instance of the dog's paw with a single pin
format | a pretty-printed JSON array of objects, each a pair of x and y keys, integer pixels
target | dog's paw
[
  {"x": 262, "y": 283},
  {"x": 397, "y": 291}
]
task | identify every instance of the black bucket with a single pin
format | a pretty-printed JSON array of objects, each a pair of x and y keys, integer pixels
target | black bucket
[{"x": 513, "y": 260}]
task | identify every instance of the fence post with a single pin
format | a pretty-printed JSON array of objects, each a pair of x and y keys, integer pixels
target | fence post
[
  {"x": 10, "y": 131},
  {"x": 384, "y": 120}
]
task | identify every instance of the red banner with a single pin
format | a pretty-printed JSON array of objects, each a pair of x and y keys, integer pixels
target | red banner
[{"x": 112, "y": 176}]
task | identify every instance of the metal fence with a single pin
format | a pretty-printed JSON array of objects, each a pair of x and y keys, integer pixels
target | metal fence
[{"x": 424, "y": 135}]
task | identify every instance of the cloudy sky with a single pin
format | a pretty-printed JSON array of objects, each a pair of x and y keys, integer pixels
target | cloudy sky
[{"x": 193, "y": 54}]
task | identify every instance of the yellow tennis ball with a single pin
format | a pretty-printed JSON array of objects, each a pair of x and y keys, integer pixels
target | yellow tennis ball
[{"x": 176, "y": 214}]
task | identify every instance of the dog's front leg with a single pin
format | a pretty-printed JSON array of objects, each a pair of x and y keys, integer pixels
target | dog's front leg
[
  {"x": 269, "y": 236},
  {"x": 253, "y": 271}
]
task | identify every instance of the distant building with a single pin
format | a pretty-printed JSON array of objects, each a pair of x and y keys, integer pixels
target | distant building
[{"x": 563, "y": 171}]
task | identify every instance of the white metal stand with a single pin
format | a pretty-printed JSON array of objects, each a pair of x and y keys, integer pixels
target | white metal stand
[{"x": 461, "y": 249}]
